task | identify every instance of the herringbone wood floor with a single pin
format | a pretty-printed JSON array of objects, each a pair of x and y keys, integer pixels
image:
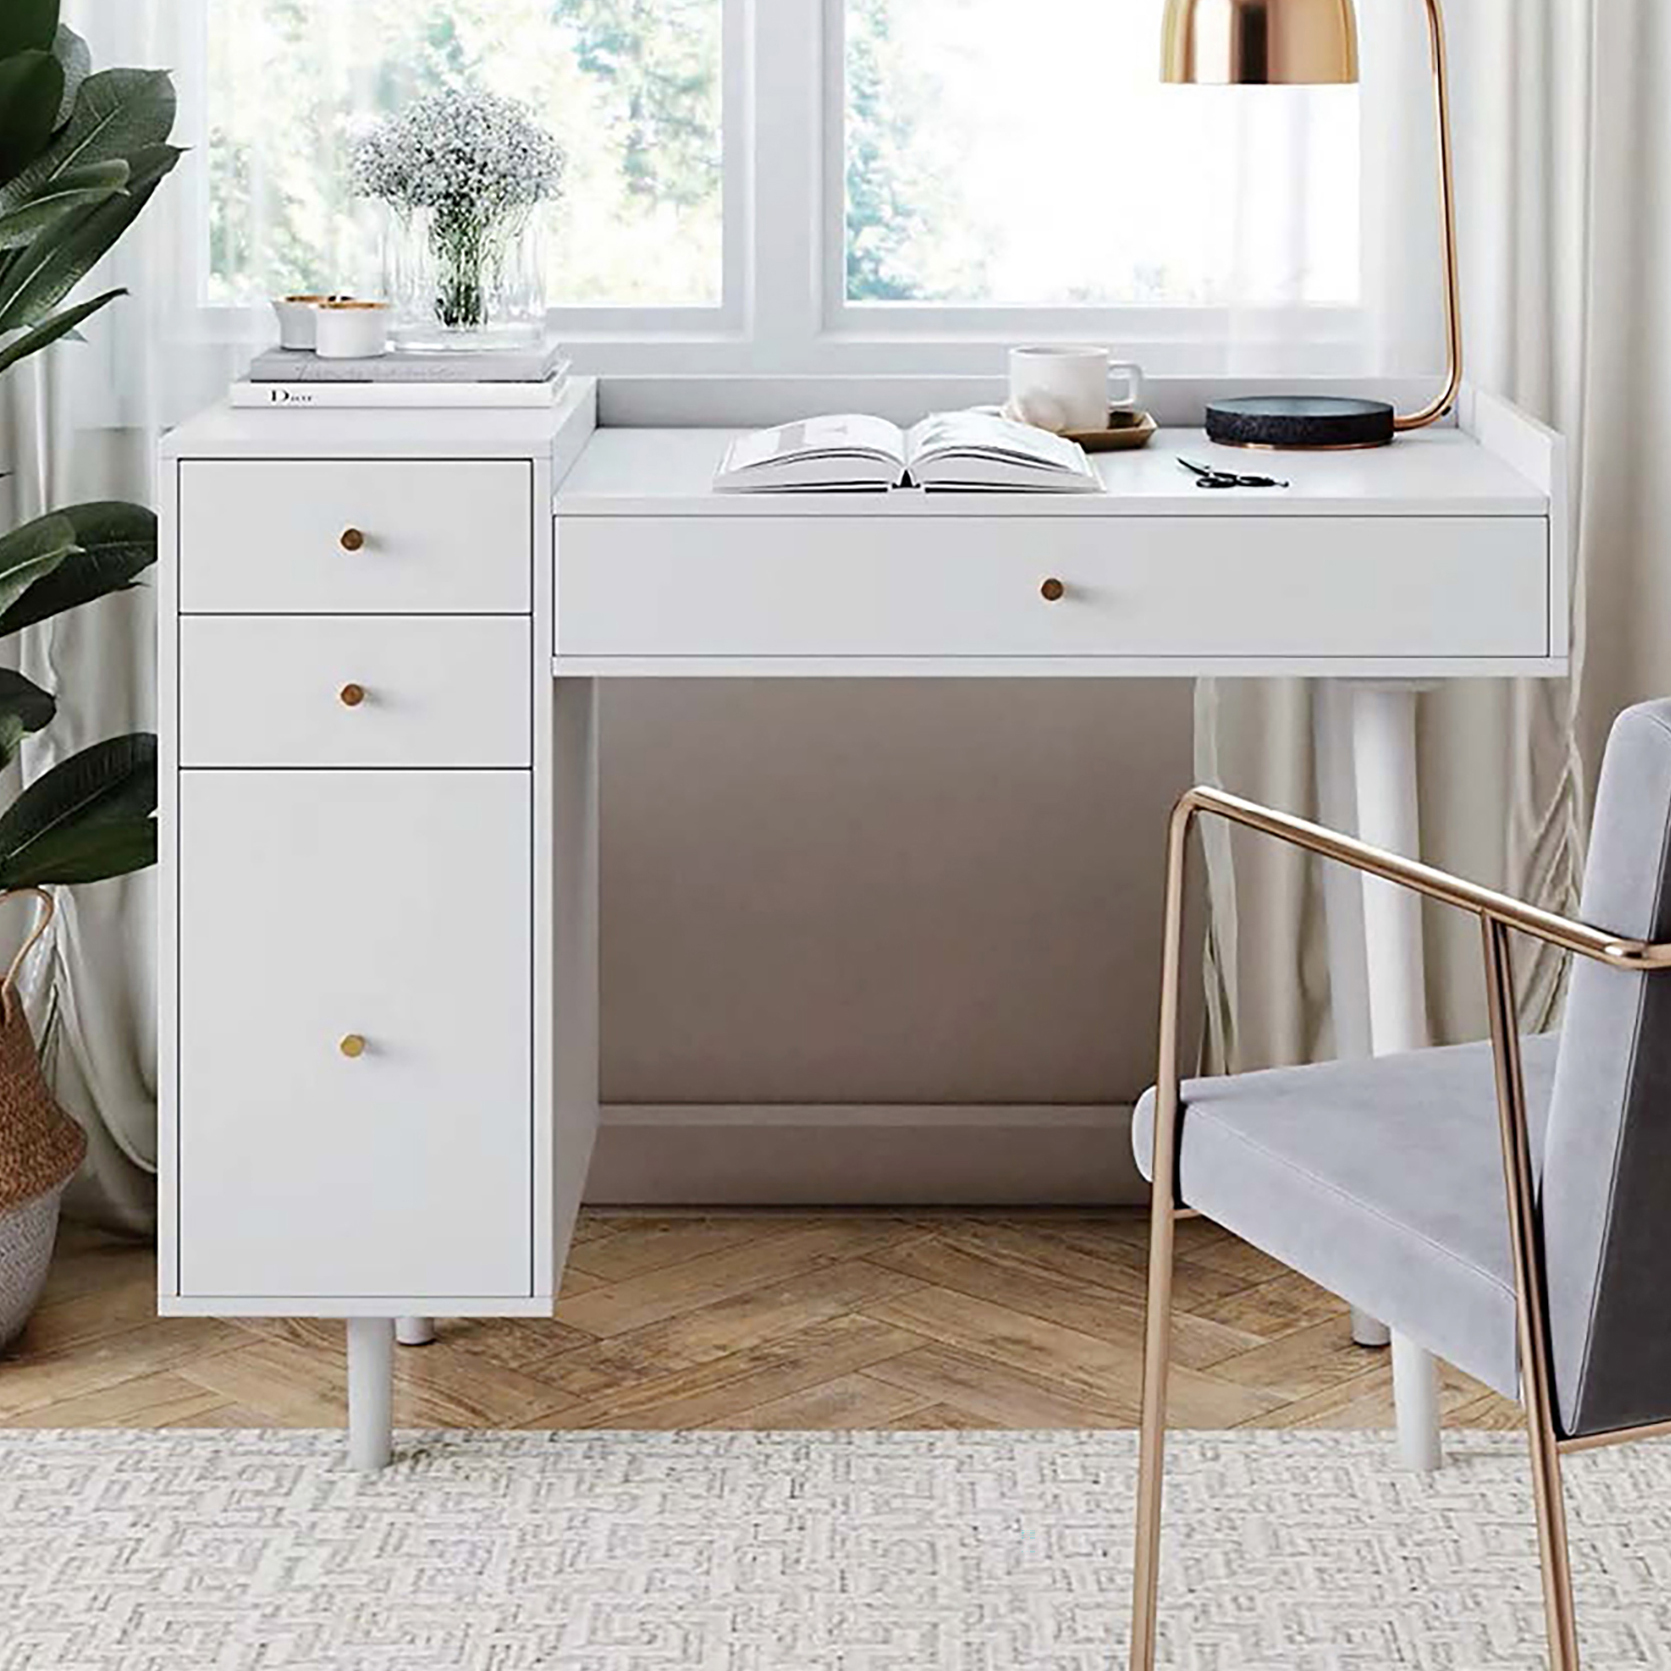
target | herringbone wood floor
[{"x": 756, "y": 1320}]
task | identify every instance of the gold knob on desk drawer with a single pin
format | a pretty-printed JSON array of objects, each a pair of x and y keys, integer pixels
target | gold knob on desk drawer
[
  {"x": 352, "y": 695},
  {"x": 1053, "y": 591},
  {"x": 353, "y": 540},
  {"x": 353, "y": 1046}
]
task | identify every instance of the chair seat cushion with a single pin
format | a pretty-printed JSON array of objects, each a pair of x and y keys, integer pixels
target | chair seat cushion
[{"x": 1380, "y": 1180}]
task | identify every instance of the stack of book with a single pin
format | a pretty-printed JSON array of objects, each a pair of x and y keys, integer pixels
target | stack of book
[{"x": 487, "y": 377}]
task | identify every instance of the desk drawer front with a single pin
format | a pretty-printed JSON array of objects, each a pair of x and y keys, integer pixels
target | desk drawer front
[
  {"x": 345, "y": 536},
  {"x": 914, "y": 586},
  {"x": 355, "y": 691},
  {"x": 316, "y": 907}
]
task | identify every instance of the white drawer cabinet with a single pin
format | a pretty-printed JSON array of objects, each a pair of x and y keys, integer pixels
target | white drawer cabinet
[
  {"x": 356, "y": 536},
  {"x": 377, "y": 1046},
  {"x": 324, "y": 910},
  {"x": 312, "y": 690}
]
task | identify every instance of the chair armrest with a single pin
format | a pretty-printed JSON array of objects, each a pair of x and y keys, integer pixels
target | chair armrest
[{"x": 1570, "y": 935}]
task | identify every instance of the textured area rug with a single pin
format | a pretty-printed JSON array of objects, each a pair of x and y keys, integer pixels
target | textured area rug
[{"x": 803, "y": 1552}]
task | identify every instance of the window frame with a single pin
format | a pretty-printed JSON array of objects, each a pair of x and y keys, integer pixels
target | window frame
[{"x": 783, "y": 307}]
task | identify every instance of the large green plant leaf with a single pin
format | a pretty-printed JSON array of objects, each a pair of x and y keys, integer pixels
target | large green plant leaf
[
  {"x": 77, "y": 58},
  {"x": 27, "y": 26},
  {"x": 31, "y": 553},
  {"x": 87, "y": 819},
  {"x": 118, "y": 114},
  {"x": 23, "y": 226},
  {"x": 84, "y": 855},
  {"x": 24, "y": 709},
  {"x": 114, "y": 545},
  {"x": 38, "y": 278},
  {"x": 31, "y": 94},
  {"x": 50, "y": 330}
]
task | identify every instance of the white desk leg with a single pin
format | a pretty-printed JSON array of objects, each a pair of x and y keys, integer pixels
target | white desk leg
[
  {"x": 1337, "y": 802},
  {"x": 415, "y": 1331},
  {"x": 1384, "y": 753},
  {"x": 371, "y": 1390}
]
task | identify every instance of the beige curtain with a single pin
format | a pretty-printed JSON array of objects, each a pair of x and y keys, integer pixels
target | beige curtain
[{"x": 1567, "y": 274}]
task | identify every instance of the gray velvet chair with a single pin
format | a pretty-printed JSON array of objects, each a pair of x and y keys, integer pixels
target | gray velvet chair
[{"x": 1503, "y": 1204}]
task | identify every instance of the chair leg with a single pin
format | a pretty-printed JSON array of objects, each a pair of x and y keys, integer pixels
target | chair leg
[
  {"x": 1537, "y": 1381},
  {"x": 1551, "y": 1505},
  {"x": 1157, "y": 1351}
]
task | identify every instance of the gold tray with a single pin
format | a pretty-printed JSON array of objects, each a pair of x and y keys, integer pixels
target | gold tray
[{"x": 1126, "y": 432}]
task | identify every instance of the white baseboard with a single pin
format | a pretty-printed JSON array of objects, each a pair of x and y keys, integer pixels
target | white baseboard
[{"x": 864, "y": 1155}]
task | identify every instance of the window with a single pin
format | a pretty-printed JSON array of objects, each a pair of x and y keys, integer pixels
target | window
[
  {"x": 1028, "y": 156},
  {"x": 809, "y": 185},
  {"x": 631, "y": 89}
]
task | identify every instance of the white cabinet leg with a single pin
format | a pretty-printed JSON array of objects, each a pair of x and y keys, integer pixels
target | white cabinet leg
[
  {"x": 371, "y": 1390},
  {"x": 1337, "y": 803},
  {"x": 415, "y": 1331},
  {"x": 1384, "y": 756}
]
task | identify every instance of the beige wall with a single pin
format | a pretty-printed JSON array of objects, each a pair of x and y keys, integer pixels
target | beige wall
[{"x": 884, "y": 892}]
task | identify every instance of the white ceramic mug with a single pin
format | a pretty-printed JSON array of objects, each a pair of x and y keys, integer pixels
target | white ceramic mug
[
  {"x": 352, "y": 330},
  {"x": 1069, "y": 388},
  {"x": 296, "y": 320}
]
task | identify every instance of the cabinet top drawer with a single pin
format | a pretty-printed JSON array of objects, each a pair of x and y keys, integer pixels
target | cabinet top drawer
[{"x": 349, "y": 536}]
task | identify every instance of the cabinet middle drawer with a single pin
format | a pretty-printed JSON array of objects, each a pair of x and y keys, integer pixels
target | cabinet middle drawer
[{"x": 326, "y": 690}]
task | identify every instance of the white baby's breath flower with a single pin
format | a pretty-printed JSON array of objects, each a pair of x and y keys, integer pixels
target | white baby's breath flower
[{"x": 460, "y": 152}]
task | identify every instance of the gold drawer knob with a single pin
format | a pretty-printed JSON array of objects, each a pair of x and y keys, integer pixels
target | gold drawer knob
[
  {"x": 353, "y": 1047},
  {"x": 1053, "y": 591},
  {"x": 351, "y": 696},
  {"x": 353, "y": 540}
]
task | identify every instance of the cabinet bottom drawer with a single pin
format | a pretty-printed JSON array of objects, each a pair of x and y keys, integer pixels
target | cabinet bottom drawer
[{"x": 356, "y": 1033}]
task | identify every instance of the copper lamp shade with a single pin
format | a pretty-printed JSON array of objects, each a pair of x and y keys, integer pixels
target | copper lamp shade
[
  {"x": 1258, "y": 43},
  {"x": 1309, "y": 43}
]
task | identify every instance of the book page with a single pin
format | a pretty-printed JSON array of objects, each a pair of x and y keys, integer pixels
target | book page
[
  {"x": 851, "y": 435},
  {"x": 985, "y": 435}
]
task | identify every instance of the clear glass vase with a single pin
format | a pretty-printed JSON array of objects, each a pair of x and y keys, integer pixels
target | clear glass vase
[{"x": 460, "y": 280}]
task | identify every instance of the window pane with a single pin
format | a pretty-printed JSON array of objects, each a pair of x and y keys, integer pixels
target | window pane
[
  {"x": 631, "y": 89},
  {"x": 1030, "y": 156}
]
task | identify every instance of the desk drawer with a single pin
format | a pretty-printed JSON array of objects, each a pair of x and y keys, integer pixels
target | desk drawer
[
  {"x": 347, "y": 537},
  {"x": 956, "y": 585},
  {"x": 393, "y": 907},
  {"x": 314, "y": 690}
]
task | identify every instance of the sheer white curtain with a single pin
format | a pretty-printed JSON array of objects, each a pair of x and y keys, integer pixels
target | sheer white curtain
[
  {"x": 80, "y": 423},
  {"x": 1556, "y": 184}
]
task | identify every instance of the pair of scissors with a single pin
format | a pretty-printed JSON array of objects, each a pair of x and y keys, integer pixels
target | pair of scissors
[{"x": 1205, "y": 476}]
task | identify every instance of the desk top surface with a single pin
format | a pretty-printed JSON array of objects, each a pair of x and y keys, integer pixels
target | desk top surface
[{"x": 1440, "y": 472}]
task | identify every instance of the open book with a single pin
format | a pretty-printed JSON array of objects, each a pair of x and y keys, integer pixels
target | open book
[{"x": 975, "y": 451}]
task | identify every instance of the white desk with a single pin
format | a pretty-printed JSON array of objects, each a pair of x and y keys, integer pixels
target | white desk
[{"x": 321, "y": 795}]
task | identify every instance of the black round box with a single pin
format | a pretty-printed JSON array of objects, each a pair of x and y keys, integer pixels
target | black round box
[{"x": 1300, "y": 421}]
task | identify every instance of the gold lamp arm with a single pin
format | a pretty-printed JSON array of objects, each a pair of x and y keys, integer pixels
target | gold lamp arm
[{"x": 1446, "y": 399}]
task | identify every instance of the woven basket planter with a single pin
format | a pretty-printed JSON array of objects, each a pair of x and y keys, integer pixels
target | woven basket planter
[
  {"x": 41, "y": 1148},
  {"x": 27, "y": 1235}
]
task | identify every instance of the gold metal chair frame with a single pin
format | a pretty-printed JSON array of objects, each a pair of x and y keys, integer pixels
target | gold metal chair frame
[{"x": 1499, "y": 917}]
